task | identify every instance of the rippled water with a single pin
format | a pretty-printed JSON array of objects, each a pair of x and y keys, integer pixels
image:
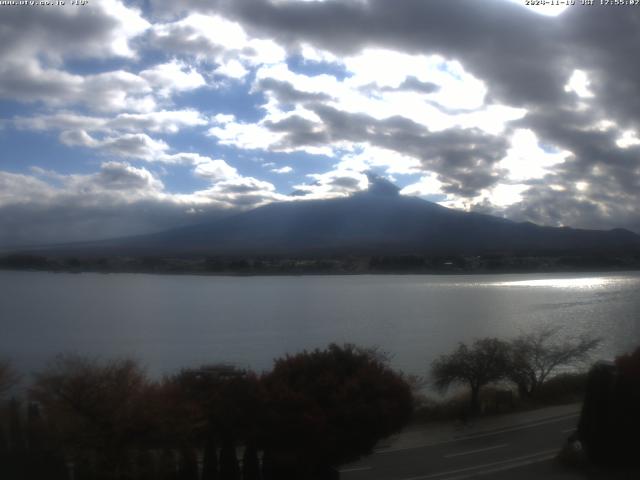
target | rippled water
[{"x": 173, "y": 321}]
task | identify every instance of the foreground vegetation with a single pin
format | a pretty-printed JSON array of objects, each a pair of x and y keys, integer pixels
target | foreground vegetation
[
  {"x": 108, "y": 420},
  {"x": 312, "y": 412}
]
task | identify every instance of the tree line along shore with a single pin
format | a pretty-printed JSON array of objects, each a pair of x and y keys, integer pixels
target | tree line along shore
[
  {"x": 350, "y": 264},
  {"x": 312, "y": 412}
]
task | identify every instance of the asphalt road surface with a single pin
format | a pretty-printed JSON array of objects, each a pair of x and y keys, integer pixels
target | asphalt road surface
[{"x": 491, "y": 454}]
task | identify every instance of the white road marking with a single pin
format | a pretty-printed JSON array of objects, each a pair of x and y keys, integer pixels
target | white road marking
[
  {"x": 567, "y": 430},
  {"x": 479, "y": 435},
  {"x": 497, "y": 466},
  {"x": 354, "y": 469},
  {"x": 522, "y": 463},
  {"x": 470, "y": 452}
]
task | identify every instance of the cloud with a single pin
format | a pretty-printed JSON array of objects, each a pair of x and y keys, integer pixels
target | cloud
[
  {"x": 160, "y": 121},
  {"x": 140, "y": 146},
  {"x": 413, "y": 84},
  {"x": 282, "y": 170},
  {"x": 232, "y": 69},
  {"x": 526, "y": 160},
  {"x": 116, "y": 183},
  {"x": 360, "y": 115},
  {"x": 572, "y": 77},
  {"x": 463, "y": 158},
  {"x": 427, "y": 185},
  {"x": 244, "y": 135},
  {"x": 99, "y": 29},
  {"x": 27, "y": 81},
  {"x": 171, "y": 77},
  {"x": 368, "y": 157},
  {"x": 239, "y": 192},
  {"x": 121, "y": 176},
  {"x": 117, "y": 200},
  {"x": 18, "y": 189},
  {"x": 216, "y": 170},
  {"x": 128, "y": 145},
  {"x": 35, "y": 42},
  {"x": 286, "y": 93},
  {"x": 336, "y": 183},
  {"x": 213, "y": 38},
  {"x": 481, "y": 105}
]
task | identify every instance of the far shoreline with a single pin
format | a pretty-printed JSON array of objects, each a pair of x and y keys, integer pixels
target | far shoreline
[
  {"x": 337, "y": 264},
  {"x": 323, "y": 274}
]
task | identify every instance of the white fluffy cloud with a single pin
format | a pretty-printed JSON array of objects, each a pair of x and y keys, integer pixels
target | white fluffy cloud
[
  {"x": 215, "y": 39},
  {"x": 282, "y": 170},
  {"x": 171, "y": 77},
  {"x": 527, "y": 160},
  {"x": 426, "y": 186},
  {"x": 216, "y": 170},
  {"x": 244, "y": 135}
]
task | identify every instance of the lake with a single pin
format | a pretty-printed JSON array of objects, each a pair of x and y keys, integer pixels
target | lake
[{"x": 169, "y": 322}]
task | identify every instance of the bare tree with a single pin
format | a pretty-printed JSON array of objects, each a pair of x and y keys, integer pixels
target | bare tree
[
  {"x": 535, "y": 356},
  {"x": 8, "y": 377},
  {"x": 485, "y": 361},
  {"x": 93, "y": 405}
]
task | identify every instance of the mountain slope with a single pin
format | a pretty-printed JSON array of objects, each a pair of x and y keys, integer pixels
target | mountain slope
[{"x": 375, "y": 222}]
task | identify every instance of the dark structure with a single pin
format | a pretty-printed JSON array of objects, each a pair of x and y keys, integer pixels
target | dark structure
[{"x": 610, "y": 419}]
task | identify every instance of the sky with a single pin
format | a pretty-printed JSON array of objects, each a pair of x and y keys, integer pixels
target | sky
[{"x": 127, "y": 117}]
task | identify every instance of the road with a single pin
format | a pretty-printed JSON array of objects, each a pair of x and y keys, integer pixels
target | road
[{"x": 478, "y": 455}]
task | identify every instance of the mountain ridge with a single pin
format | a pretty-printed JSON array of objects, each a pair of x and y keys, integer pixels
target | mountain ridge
[{"x": 376, "y": 221}]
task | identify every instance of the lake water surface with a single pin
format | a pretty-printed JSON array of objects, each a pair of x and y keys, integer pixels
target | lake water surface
[{"x": 169, "y": 322}]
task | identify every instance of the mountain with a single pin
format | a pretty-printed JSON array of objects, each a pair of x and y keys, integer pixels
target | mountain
[{"x": 377, "y": 221}]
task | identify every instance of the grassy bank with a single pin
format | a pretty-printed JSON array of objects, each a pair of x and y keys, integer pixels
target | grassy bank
[{"x": 562, "y": 389}]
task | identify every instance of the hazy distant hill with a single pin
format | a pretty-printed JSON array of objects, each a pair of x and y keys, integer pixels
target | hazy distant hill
[{"x": 378, "y": 221}]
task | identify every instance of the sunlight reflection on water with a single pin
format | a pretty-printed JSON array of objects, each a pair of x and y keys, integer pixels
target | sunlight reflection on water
[
  {"x": 582, "y": 283},
  {"x": 592, "y": 282}
]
